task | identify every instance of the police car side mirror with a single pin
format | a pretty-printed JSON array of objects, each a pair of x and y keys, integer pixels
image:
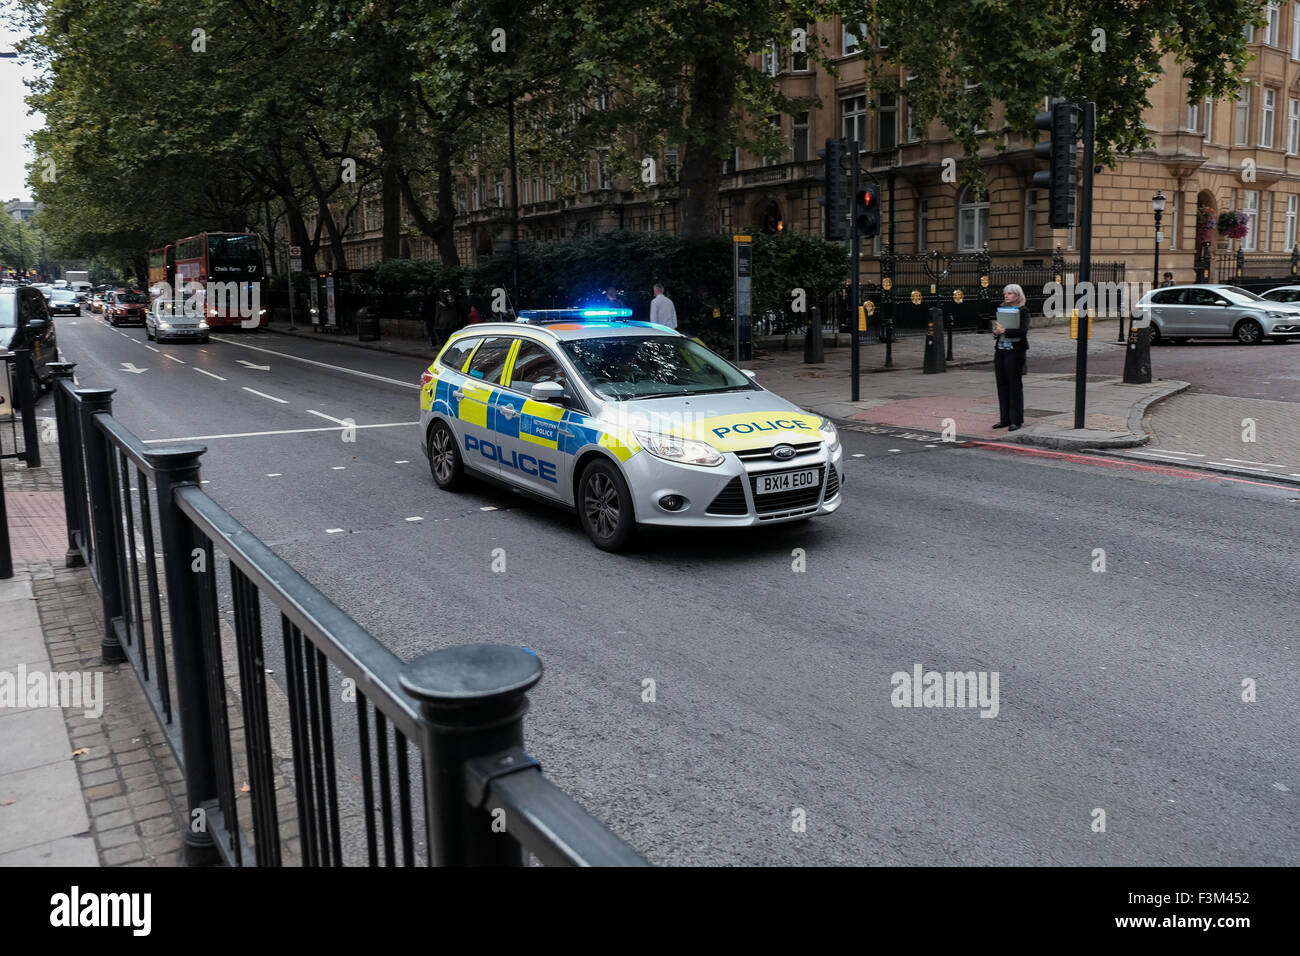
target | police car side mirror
[
  {"x": 552, "y": 392},
  {"x": 753, "y": 376}
]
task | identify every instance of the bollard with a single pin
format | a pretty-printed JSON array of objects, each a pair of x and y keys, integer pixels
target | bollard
[
  {"x": 813, "y": 353},
  {"x": 934, "y": 360},
  {"x": 1137, "y": 356},
  {"x": 473, "y": 698}
]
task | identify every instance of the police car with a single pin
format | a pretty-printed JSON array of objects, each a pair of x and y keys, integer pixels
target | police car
[{"x": 625, "y": 422}]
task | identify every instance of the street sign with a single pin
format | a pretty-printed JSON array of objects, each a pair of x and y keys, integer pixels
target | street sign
[
  {"x": 295, "y": 265},
  {"x": 295, "y": 252}
]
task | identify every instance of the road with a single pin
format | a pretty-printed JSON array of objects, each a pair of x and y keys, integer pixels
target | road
[{"x": 1118, "y": 690}]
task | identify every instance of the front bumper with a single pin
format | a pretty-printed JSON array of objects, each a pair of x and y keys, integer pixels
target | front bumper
[{"x": 728, "y": 495}]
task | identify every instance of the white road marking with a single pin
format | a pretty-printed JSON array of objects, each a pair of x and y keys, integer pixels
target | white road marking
[
  {"x": 858, "y": 454},
  {"x": 895, "y": 450},
  {"x": 209, "y": 374},
  {"x": 402, "y": 462},
  {"x": 264, "y": 395},
  {"x": 130, "y": 367},
  {"x": 336, "y": 368},
  {"x": 1172, "y": 452},
  {"x": 275, "y": 474},
  {"x": 931, "y": 446},
  {"x": 1147, "y": 454},
  {"x": 149, "y": 347},
  {"x": 260, "y": 368},
  {"x": 281, "y": 431},
  {"x": 1238, "y": 467},
  {"x": 174, "y": 358},
  {"x": 333, "y": 530},
  {"x": 328, "y": 418},
  {"x": 415, "y": 519},
  {"x": 338, "y": 467},
  {"x": 488, "y": 508},
  {"x": 1243, "y": 461}
]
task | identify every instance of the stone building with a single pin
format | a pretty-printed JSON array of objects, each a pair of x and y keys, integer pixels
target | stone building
[{"x": 1215, "y": 156}]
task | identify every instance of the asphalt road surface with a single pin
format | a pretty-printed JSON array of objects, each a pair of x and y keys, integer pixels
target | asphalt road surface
[{"x": 1118, "y": 733}]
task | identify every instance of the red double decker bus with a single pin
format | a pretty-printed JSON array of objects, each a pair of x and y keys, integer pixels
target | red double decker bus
[
  {"x": 227, "y": 266},
  {"x": 162, "y": 266}
]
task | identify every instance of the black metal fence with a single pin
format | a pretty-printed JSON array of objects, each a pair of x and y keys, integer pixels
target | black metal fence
[
  {"x": 1253, "y": 270},
  {"x": 358, "y": 758}
]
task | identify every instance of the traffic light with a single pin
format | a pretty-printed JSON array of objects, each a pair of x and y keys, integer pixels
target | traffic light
[
  {"x": 866, "y": 212},
  {"x": 1059, "y": 150},
  {"x": 835, "y": 197}
]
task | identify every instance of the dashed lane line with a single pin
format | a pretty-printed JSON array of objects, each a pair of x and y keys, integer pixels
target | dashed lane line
[
  {"x": 307, "y": 361},
  {"x": 209, "y": 374},
  {"x": 264, "y": 395}
]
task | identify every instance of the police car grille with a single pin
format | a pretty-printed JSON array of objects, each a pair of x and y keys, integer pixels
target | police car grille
[
  {"x": 758, "y": 454},
  {"x": 786, "y": 500},
  {"x": 832, "y": 483},
  {"x": 730, "y": 500}
]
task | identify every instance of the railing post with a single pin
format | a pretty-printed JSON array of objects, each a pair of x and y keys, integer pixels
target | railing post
[
  {"x": 174, "y": 467},
  {"x": 27, "y": 388},
  {"x": 473, "y": 698},
  {"x": 1241, "y": 261},
  {"x": 69, "y": 458},
  {"x": 104, "y": 516}
]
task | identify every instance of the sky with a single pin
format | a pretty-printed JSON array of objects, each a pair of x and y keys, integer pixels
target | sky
[{"x": 15, "y": 124}]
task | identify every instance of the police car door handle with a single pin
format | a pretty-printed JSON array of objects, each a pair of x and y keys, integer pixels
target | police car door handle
[
  {"x": 458, "y": 394},
  {"x": 508, "y": 412},
  {"x": 566, "y": 433}
]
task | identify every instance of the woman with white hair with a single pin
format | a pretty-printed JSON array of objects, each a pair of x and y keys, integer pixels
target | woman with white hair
[{"x": 1009, "y": 359}]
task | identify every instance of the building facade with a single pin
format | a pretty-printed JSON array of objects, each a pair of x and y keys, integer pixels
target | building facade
[{"x": 1207, "y": 158}]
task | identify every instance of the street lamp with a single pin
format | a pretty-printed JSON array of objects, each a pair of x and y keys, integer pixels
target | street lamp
[{"x": 1158, "y": 209}]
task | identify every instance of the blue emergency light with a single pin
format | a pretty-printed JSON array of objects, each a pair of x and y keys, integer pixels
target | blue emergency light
[{"x": 544, "y": 316}]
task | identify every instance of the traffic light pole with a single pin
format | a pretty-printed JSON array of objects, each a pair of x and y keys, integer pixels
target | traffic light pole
[
  {"x": 855, "y": 244},
  {"x": 1085, "y": 261}
]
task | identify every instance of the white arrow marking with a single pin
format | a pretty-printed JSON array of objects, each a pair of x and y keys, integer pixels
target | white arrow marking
[
  {"x": 260, "y": 368},
  {"x": 130, "y": 367}
]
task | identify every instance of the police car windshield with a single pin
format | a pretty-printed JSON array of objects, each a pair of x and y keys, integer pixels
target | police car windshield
[{"x": 626, "y": 368}]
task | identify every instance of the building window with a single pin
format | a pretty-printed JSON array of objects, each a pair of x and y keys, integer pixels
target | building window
[
  {"x": 1266, "y": 115},
  {"x": 1292, "y": 208},
  {"x": 1274, "y": 17},
  {"x": 537, "y": 189},
  {"x": 1241, "y": 128},
  {"x": 1207, "y": 118},
  {"x": 799, "y": 138},
  {"x": 799, "y": 61},
  {"x": 1031, "y": 218},
  {"x": 1266, "y": 221},
  {"x": 1293, "y": 126},
  {"x": 913, "y": 134},
  {"x": 972, "y": 220},
  {"x": 1250, "y": 206},
  {"x": 887, "y": 137},
  {"x": 771, "y": 56},
  {"x": 499, "y": 192},
  {"x": 1193, "y": 117},
  {"x": 731, "y": 164},
  {"x": 602, "y": 168},
  {"x": 670, "y": 165},
  {"x": 1248, "y": 32},
  {"x": 854, "y": 111},
  {"x": 852, "y": 42},
  {"x": 1295, "y": 31},
  {"x": 922, "y": 225}
]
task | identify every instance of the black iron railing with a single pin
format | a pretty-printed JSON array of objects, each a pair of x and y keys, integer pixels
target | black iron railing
[
  {"x": 357, "y": 758},
  {"x": 18, "y": 389}
]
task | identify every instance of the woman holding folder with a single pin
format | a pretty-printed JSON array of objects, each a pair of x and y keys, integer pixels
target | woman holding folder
[{"x": 1011, "y": 326}]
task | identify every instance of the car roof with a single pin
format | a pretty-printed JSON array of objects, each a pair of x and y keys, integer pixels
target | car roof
[{"x": 569, "y": 331}]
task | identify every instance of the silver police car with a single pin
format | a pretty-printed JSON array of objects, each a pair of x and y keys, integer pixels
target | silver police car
[{"x": 625, "y": 422}]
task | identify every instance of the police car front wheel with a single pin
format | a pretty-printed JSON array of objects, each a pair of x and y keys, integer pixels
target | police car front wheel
[
  {"x": 444, "y": 458},
  {"x": 605, "y": 507}
]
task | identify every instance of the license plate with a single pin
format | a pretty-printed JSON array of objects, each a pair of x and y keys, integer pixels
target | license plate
[{"x": 786, "y": 481}]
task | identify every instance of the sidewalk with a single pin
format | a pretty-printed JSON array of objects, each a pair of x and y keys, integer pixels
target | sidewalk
[{"x": 86, "y": 775}]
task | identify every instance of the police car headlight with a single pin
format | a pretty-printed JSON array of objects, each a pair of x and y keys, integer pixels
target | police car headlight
[
  {"x": 831, "y": 437},
  {"x": 681, "y": 450}
]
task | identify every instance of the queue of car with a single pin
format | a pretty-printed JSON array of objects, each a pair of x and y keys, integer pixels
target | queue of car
[{"x": 1216, "y": 310}]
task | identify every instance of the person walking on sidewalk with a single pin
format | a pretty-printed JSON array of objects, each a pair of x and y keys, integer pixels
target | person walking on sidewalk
[
  {"x": 1009, "y": 359},
  {"x": 662, "y": 310}
]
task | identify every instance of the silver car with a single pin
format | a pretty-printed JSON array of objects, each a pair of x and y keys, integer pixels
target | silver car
[
  {"x": 1186, "y": 312},
  {"x": 164, "y": 321},
  {"x": 628, "y": 423}
]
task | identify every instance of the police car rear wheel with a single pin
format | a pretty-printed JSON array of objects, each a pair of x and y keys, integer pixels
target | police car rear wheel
[
  {"x": 605, "y": 507},
  {"x": 444, "y": 458}
]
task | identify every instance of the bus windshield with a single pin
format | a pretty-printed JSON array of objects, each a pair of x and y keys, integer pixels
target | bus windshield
[{"x": 233, "y": 249}]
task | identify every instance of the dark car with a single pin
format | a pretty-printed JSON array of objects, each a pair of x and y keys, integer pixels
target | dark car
[
  {"x": 64, "y": 302},
  {"x": 123, "y": 306},
  {"x": 25, "y": 323}
]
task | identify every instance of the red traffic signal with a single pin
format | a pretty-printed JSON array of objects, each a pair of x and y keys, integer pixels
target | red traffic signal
[{"x": 866, "y": 212}]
